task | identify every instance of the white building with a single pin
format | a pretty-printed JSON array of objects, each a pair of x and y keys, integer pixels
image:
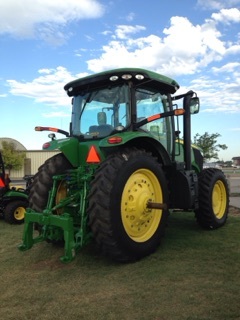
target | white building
[{"x": 34, "y": 159}]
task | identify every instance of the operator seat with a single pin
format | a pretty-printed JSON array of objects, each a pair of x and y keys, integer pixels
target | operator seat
[
  {"x": 104, "y": 129},
  {"x": 93, "y": 129}
]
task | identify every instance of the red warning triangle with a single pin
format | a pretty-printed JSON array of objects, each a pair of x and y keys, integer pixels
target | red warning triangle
[{"x": 93, "y": 156}]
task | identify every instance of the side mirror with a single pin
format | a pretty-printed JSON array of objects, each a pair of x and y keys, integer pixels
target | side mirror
[{"x": 194, "y": 105}]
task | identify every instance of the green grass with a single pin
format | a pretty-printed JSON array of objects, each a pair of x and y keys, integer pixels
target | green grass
[{"x": 195, "y": 274}]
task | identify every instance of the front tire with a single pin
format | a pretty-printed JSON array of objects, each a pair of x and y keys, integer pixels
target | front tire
[
  {"x": 122, "y": 225},
  {"x": 14, "y": 212},
  {"x": 213, "y": 199}
]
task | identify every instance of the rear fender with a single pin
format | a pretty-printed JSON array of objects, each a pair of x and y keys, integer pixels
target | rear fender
[
  {"x": 140, "y": 140},
  {"x": 14, "y": 194},
  {"x": 68, "y": 146},
  {"x": 11, "y": 196}
]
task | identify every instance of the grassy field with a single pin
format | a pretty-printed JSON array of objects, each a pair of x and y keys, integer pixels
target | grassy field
[{"x": 195, "y": 274}]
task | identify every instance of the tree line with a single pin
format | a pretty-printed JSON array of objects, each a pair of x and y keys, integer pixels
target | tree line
[
  {"x": 209, "y": 145},
  {"x": 13, "y": 159}
]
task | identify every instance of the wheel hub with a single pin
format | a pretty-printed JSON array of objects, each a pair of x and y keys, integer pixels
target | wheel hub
[
  {"x": 61, "y": 194},
  {"x": 19, "y": 213},
  {"x": 219, "y": 199},
  {"x": 140, "y": 221}
]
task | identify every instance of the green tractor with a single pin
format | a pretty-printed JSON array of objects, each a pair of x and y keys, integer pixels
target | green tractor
[
  {"x": 122, "y": 168},
  {"x": 13, "y": 202}
]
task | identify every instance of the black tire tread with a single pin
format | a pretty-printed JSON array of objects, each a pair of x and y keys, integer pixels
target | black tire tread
[
  {"x": 205, "y": 215},
  {"x": 9, "y": 211},
  {"x": 99, "y": 205},
  {"x": 42, "y": 183}
]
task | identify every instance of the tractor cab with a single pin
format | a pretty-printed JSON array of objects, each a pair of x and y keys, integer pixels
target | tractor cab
[
  {"x": 117, "y": 101},
  {"x": 128, "y": 100},
  {"x": 110, "y": 110}
]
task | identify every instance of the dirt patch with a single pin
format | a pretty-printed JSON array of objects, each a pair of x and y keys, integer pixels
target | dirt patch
[{"x": 234, "y": 211}]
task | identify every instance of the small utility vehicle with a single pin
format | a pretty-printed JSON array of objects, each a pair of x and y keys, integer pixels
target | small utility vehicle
[{"x": 13, "y": 201}]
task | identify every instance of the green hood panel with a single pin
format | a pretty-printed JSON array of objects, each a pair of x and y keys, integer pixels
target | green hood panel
[{"x": 15, "y": 194}]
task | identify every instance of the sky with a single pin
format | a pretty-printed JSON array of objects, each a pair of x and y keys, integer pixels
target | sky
[{"x": 44, "y": 44}]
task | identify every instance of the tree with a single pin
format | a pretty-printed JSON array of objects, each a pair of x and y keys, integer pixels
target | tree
[
  {"x": 208, "y": 143},
  {"x": 12, "y": 158}
]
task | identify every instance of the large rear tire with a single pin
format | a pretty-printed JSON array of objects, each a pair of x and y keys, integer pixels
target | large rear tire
[
  {"x": 213, "y": 199},
  {"x": 43, "y": 181},
  {"x": 122, "y": 225}
]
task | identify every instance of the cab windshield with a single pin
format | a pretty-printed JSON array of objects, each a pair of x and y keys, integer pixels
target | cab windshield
[{"x": 101, "y": 112}]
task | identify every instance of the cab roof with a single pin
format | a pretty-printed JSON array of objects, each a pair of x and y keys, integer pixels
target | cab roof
[{"x": 116, "y": 76}]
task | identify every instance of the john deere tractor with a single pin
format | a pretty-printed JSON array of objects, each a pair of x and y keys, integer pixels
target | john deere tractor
[
  {"x": 122, "y": 167},
  {"x": 13, "y": 202}
]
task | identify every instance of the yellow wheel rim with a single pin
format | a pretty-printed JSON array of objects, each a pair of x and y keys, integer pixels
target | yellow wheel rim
[
  {"x": 219, "y": 199},
  {"x": 61, "y": 194},
  {"x": 140, "y": 222},
  {"x": 19, "y": 213}
]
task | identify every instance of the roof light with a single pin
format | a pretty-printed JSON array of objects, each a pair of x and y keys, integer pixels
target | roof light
[
  {"x": 139, "y": 76},
  {"x": 115, "y": 140},
  {"x": 113, "y": 78},
  {"x": 93, "y": 156},
  {"x": 70, "y": 89},
  {"x": 126, "y": 76}
]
